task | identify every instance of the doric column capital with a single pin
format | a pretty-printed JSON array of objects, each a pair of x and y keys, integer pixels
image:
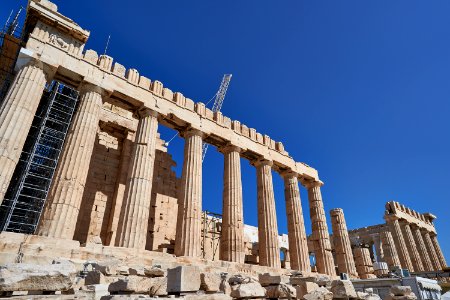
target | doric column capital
[
  {"x": 391, "y": 218},
  {"x": 87, "y": 87},
  {"x": 191, "y": 132},
  {"x": 48, "y": 70},
  {"x": 229, "y": 148},
  {"x": 311, "y": 184},
  {"x": 287, "y": 174},
  {"x": 143, "y": 112},
  {"x": 262, "y": 162}
]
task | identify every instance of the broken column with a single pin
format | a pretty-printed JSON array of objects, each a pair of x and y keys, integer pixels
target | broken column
[
  {"x": 412, "y": 248},
  {"x": 134, "y": 216},
  {"x": 427, "y": 265},
  {"x": 269, "y": 250},
  {"x": 390, "y": 255},
  {"x": 342, "y": 245},
  {"x": 16, "y": 116},
  {"x": 298, "y": 244},
  {"x": 364, "y": 264},
  {"x": 64, "y": 200},
  {"x": 399, "y": 240},
  {"x": 320, "y": 236},
  {"x": 232, "y": 236},
  {"x": 189, "y": 232}
]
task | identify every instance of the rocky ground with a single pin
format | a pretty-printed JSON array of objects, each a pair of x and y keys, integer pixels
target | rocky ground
[{"x": 113, "y": 280}]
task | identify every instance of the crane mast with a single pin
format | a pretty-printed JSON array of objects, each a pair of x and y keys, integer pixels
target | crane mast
[{"x": 218, "y": 102}]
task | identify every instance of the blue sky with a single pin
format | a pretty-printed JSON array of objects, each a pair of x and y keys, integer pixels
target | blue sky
[{"x": 357, "y": 89}]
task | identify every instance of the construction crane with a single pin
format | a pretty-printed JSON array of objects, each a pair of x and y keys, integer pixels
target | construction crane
[
  {"x": 217, "y": 106},
  {"x": 218, "y": 102}
]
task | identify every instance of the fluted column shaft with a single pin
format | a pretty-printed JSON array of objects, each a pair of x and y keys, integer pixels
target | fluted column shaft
[
  {"x": 431, "y": 251},
  {"x": 133, "y": 231},
  {"x": 190, "y": 200},
  {"x": 428, "y": 266},
  {"x": 438, "y": 250},
  {"x": 120, "y": 189},
  {"x": 269, "y": 250},
  {"x": 412, "y": 248},
  {"x": 16, "y": 116},
  {"x": 390, "y": 255},
  {"x": 320, "y": 235},
  {"x": 232, "y": 236},
  {"x": 400, "y": 244},
  {"x": 342, "y": 245},
  {"x": 64, "y": 200},
  {"x": 298, "y": 244}
]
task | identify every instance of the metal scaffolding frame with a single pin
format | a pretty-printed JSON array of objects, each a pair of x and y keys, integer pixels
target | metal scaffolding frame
[
  {"x": 25, "y": 198},
  {"x": 210, "y": 225}
]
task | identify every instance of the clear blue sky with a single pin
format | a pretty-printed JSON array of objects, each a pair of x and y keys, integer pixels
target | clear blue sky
[{"x": 357, "y": 89}]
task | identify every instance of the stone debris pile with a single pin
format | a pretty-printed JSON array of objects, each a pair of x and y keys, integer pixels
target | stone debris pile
[{"x": 111, "y": 279}]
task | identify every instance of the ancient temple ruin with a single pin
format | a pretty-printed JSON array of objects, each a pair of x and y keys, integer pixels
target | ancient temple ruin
[{"x": 84, "y": 174}]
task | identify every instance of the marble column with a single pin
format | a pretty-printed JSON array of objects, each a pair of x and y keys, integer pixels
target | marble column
[
  {"x": 232, "y": 236},
  {"x": 438, "y": 250},
  {"x": 16, "y": 116},
  {"x": 427, "y": 265},
  {"x": 431, "y": 251},
  {"x": 412, "y": 248},
  {"x": 400, "y": 244},
  {"x": 64, "y": 200},
  {"x": 136, "y": 209},
  {"x": 120, "y": 189},
  {"x": 390, "y": 255},
  {"x": 189, "y": 223},
  {"x": 342, "y": 245},
  {"x": 298, "y": 244},
  {"x": 269, "y": 250},
  {"x": 320, "y": 236}
]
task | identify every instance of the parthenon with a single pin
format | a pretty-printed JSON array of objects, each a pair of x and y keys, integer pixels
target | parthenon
[{"x": 93, "y": 179}]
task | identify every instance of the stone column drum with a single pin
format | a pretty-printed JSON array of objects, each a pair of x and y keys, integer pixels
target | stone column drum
[
  {"x": 400, "y": 244},
  {"x": 431, "y": 251},
  {"x": 64, "y": 200},
  {"x": 269, "y": 250},
  {"x": 412, "y": 248},
  {"x": 363, "y": 263},
  {"x": 232, "y": 236},
  {"x": 390, "y": 255},
  {"x": 134, "y": 221},
  {"x": 16, "y": 116},
  {"x": 189, "y": 232},
  {"x": 427, "y": 265},
  {"x": 298, "y": 244},
  {"x": 342, "y": 245},
  {"x": 320, "y": 236},
  {"x": 438, "y": 250}
]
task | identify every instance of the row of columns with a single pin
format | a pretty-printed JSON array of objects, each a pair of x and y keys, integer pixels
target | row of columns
[
  {"x": 64, "y": 200},
  {"x": 416, "y": 249}
]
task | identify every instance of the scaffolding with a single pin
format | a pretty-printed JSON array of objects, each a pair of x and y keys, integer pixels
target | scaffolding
[
  {"x": 25, "y": 198},
  {"x": 211, "y": 232},
  {"x": 11, "y": 39}
]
